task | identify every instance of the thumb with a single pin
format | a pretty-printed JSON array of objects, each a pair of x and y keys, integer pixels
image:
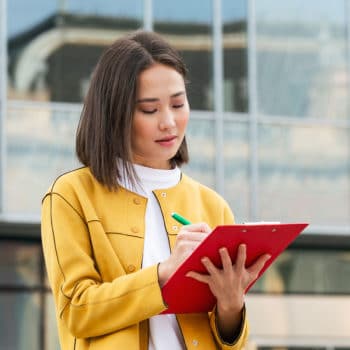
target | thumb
[{"x": 255, "y": 269}]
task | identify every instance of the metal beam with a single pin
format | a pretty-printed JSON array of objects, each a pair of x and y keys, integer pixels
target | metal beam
[
  {"x": 347, "y": 18},
  {"x": 218, "y": 74},
  {"x": 253, "y": 112},
  {"x": 3, "y": 100},
  {"x": 148, "y": 15}
]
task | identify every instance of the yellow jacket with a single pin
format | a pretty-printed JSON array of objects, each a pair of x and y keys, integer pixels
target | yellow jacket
[{"x": 93, "y": 245}]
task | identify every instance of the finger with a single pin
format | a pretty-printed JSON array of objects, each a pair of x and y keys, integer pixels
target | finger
[
  {"x": 241, "y": 257},
  {"x": 198, "y": 227},
  {"x": 191, "y": 236},
  {"x": 209, "y": 265},
  {"x": 198, "y": 276},
  {"x": 186, "y": 247},
  {"x": 225, "y": 259},
  {"x": 258, "y": 265}
]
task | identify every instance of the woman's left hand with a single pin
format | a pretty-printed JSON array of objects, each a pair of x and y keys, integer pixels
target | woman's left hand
[{"x": 228, "y": 285}]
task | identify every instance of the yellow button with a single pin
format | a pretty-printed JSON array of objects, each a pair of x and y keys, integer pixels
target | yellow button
[
  {"x": 137, "y": 201},
  {"x": 135, "y": 229},
  {"x": 175, "y": 227},
  {"x": 195, "y": 342},
  {"x": 163, "y": 194},
  {"x": 131, "y": 268}
]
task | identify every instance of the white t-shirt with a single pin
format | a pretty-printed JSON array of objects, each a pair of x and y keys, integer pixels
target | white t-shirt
[{"x": 164, "y": 329}]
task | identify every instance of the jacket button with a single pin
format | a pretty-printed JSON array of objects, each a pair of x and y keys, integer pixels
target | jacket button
[
  {"x": 195, "y": 342},
  {"x": 175, "y": 228},
  {"x": 163, "y": 194},
  {"x": 131, "y": 268},
  {"x": 134, "y": 229},
  {"x": 137, "y": 201}
]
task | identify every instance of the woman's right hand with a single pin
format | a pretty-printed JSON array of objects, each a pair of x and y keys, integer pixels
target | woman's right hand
[{"x": 187, "y": 240}]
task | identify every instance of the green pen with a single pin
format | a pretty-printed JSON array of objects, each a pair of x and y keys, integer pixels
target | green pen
[{"x": 180, "y": 219}]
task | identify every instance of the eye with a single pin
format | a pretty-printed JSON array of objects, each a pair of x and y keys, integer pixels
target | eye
[
  {"x": 178, "y": 106},
  {"x": 149, "y": 111}
]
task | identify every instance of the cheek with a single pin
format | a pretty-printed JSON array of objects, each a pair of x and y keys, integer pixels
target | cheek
[
  {"x": 183, "y": 120},
  {"x": 141, "y": 129},
  {"x": 137, "y": 133}
]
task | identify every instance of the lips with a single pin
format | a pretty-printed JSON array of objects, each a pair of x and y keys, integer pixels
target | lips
[{"x": 167, "y": 139}]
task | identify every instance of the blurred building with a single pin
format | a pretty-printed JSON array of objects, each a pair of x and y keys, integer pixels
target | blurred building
[{"x": 269, "y": 91}]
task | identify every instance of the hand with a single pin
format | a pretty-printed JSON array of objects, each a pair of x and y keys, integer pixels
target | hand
[
  {"x": 187, "y": 240},
  {"x": 228, "y": 285}
]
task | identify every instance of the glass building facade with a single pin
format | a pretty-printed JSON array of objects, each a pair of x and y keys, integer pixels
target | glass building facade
[{"x": 269, "y": 129}]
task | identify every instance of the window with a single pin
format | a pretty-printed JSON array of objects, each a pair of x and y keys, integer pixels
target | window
[
  {"x": 22, "y": 294},
  {"x": 312, "y": 265},
  {"x": 54, "y": 46},
  {"x": 190, "y": 31},
  {"x": 302, "y": 58}
]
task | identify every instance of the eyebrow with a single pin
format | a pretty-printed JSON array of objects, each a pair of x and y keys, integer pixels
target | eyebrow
[{"x": 155, "y": 99}]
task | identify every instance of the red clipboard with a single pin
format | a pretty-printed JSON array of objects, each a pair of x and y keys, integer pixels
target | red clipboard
[{"x": 186, "y": 295}]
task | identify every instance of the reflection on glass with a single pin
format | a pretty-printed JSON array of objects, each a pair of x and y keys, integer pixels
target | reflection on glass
[
  {"x": 23, "y": 16},
  {"x": 234, "y": 15},
  {"x": 124, "y": 10},
  {"x": 236, "y": 153},
  {"x": 302, "y": 58},
  {"x": 38, "y": 151},
  {"x": 19, "y": 264},
  {"x": 307, "y": 271},
  {"x": 19, "y": 321},
  {"x": 200, "y": 141},
  {"x": 190, "y": 31},
  {"x": 53, "y": 52},
  {"x": 304, "y": 174}
]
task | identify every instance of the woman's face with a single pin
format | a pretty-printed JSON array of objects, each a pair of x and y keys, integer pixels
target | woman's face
[{"x": 160, "y": 117}]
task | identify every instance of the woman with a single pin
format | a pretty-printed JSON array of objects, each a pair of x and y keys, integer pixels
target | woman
[{"x": 109, "y": 240}]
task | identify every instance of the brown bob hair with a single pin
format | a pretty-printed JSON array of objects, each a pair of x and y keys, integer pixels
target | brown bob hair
[{"x": 104, "y": 129}]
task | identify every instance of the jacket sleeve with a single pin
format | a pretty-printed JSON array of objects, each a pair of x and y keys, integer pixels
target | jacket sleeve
[
  {"x": 88, "y": 306},
  {"x": 242, "y": 334}
]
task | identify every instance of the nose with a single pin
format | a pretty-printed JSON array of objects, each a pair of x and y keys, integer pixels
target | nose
[{"x": 167, "y": 120}]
